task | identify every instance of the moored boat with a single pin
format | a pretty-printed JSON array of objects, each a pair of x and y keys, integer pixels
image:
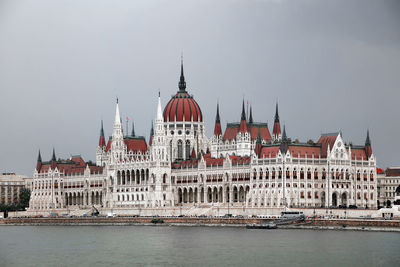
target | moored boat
[{"x": 262, "y": 226}]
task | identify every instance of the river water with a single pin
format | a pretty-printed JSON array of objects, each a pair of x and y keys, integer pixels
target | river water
[{"x": 196, "y": 246}]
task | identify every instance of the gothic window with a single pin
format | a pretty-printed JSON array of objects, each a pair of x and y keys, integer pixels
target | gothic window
[
  {"x": 180, "y": 152},
  {"x": 187, "y": 149}
]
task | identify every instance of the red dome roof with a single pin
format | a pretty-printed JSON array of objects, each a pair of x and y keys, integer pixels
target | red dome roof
[{"x": 182, "y": 106}]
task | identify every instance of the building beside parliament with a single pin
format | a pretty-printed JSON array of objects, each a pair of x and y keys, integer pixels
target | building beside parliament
[{"x": 180, "y": 167}]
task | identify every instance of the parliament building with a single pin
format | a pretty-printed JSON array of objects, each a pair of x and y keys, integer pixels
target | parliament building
[{"x": 245, "y": 167}]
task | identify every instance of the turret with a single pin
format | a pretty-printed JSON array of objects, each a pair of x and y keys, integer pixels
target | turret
[
  {"x": 158, "y": 143},
  {"x": 217, "y": 128},
  {"x": 151, "y": 134},
  {"x": 39, "y": 162},
  {"x": 284, "y": 144},
  {"x": 276, "y": 133},
  {"x": 243, "y": 124},
  {"x": 368, "y": 149},
  {"x": 102, "y": 140},
  {"x": 53, "y": 159},
  {"x": 258, "y": 147},
  {"x": 117, "y": 144},
  {"x": 251, "y": 116}
]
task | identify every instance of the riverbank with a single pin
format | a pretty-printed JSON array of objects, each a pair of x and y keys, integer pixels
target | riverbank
[{"x": 317, "y": 224}]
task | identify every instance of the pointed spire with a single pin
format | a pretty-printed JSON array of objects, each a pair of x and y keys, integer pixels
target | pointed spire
[
  {"x": 258, "y": 147},
  {"x": 133, "y": 129},
  {"x": 159, "y": 117},
  {"x": 39, "y": 158},
  {"x": 284, "y": 144},
  {"x": 276, "y": 132},
  {"x": 243, "y": 124},
  {"x": 243, "y": 117},
  {"x": 53, "y": 158},
  {"x": 217, "y": 119},
  {"x": 217, "y": 127},
  {"x": 151, "y": 134},
  {"x": 251, "y": 115},
  {"x": 102, "y": 140},
  {"x": 367, "y": 140},
  {"x": 101, "y": 129},
  {"x": 39, "y": 162},
  {"x": 368, "y": 149},
  {"x": 276, "y": 113},
  {"x": 258, "y": 141},
  {"x": 117, "y": 120},
  {"x": 284, "y": 137},
  {"x": 182, "y": 83}
]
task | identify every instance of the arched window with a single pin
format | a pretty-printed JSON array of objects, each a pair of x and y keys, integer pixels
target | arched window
[
  {"x": 187, "y": 149},
  {"x": 180, "y": 155}
]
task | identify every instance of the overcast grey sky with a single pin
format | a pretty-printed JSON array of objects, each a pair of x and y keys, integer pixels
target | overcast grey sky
[{"x": 332, "y": 65}]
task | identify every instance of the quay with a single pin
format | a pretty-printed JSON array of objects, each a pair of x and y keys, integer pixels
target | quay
[{"x": 334, "y": 224}]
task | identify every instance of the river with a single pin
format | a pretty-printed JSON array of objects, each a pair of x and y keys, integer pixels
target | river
[{"x": 195, "y": 246}]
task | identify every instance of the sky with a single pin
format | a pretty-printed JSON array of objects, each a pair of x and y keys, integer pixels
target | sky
[{"x": 331, "y": 65}]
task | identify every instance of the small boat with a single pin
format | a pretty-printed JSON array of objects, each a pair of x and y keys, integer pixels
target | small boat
[{"x": 262, "y": 226}]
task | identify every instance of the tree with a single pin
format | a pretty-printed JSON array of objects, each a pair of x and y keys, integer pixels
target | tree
[{"x": 24, "y": 198}]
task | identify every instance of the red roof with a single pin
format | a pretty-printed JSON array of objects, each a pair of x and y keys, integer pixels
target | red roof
[
  {"x": 392, "y": 172},
  {"x": 358, "y": 153},
  {"x": 231, "y": 131},
  {"x": 324, "y": 141},
  {"x": 136, "y": 144},
  {"x": 75, "y": 165},
  {"x": 302, "y": 151},
  {"x": 210, "y": 162},
  {"x": 182, "y": 106},
  {"x": 269, "y": 151},
  {"x": 264, "y": 132}
]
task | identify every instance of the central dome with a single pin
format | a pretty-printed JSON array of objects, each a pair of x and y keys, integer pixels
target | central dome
[{"x": 182, "y": 106}]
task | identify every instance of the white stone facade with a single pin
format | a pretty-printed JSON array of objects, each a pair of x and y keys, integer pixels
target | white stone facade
[{"x": 176, "y": 170}]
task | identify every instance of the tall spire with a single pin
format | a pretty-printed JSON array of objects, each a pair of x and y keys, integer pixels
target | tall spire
[
  {"x": 39, "y": 158},
  {"x": 243, "y": 117},
  {"x": 182, "y": 83},
  {"x": 251, "y": 116},
  {"x": 368, "y": 149},
  {"x": 117, "y": 120},
  {"x": 151, "y": 134},
  {"x": 53, "y": 158},
  {"x": 217, "y": 119},
  {"x": 276, "y": 133},
  {"x": 39, "y": 162},
  {"x": 133, "y": 129},
  {"x": 159, "y": 117},
  {"x": 276, "y": 113},
  {"x": 258, "y": 147},
  {"x": 284, "y": 137},
  {"x": 102, "y": 140},
  {"x": 243, "y": 124},
  {"x": 284, "y": 144},
  {"x": 367, "y": 141},
  {"x": 217, "y": 128}
]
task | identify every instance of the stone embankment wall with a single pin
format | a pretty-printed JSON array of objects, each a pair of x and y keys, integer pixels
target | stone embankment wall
[{"x": 194, "y": 221}]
